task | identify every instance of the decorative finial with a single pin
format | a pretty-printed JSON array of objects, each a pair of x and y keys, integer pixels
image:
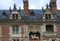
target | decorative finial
[
  {"x": 10, "y": 9},
  {"x": 46, "y": 5},
  {"x": 42, "y": 9},
  {"x": 15, "y": 7},
  {"x": 19, "y": 9}
]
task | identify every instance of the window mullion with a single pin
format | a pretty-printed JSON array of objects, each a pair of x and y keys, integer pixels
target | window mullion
[{"x": 15, "y": 29}]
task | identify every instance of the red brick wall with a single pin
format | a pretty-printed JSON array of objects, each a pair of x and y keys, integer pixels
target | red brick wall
[
  {"x": 58, "y": 31},
  {"x": 26, "y": 7},
  {"x": 26, "y": 10},
  {"x": 53, "y": 7},
  {"x": 5, "y": 33},
  {"x": 4, "y": 39}
]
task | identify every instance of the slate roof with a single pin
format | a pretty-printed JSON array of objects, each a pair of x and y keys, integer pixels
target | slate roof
[{"x": 38, "y": 15}]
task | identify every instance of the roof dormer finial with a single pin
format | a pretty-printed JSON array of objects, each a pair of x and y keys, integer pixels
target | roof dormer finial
[
  {"x": 19, "y": 9},
  {"x": 47, "y": 6},
  {"x": 42, "y": 9},
  {"x": 10, "y": 9},
  {"x": 14, "y": 7}
]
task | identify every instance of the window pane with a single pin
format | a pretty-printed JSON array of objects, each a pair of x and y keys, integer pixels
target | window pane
[
  {"x": 48, "y": 16},
  {"x": 14, "y": 40},
  {"x": 15, "y": 29},
  {"x": 53, "y": 40},
  {"x": 17, "y": 39},
  {"x": 13, "y": 16},
  {"x": 49, "y": 28},
  {"x": 16, "y": 16}
]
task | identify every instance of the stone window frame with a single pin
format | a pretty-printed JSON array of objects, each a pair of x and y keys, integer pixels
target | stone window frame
[
  {"x": 16, "y": 27},
  {"x": 49, "y": 31},
  {"x": 47, "y": 16}
]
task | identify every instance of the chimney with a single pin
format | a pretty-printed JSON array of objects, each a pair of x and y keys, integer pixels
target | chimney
[
  {"x": 53, "y": 6},
  {"x": 25, "y": 7}
]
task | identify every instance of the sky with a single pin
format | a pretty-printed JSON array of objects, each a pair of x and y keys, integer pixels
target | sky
[{"x": 33, "y": 4}]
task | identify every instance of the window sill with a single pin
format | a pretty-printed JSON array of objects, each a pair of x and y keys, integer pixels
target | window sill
[{"x": 50, "y": 34}]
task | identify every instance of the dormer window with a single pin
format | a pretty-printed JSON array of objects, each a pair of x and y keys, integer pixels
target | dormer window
[
  {"x": 15, "y": 16},
  {"x": 48, "y": 16},
  {"x": 4, "y": 13},
  {"x": 32, "y": 13},
  {"x": 15, "y": 13}
]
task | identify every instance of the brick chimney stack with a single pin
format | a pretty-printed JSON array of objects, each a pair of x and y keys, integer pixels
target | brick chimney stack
[
  {"x": 53, "y": 6},
  {"x": 25, "y": 7}
]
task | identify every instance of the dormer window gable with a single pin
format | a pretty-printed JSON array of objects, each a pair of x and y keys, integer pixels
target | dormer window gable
[
  {"x": 15, "y": 13},
  {"x": 47, "y": 14}
]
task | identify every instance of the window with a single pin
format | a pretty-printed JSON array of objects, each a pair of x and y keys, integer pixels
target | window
[
  {"x": 15, "y": 39},
  {"x": 49, "y": 28},
  {"x": 15, "y": 30},
  {"x": 48, "y": 16},
  {"x": 34, "y": 34},
  {"x": 15, "y": 16},
  {"x": 54, "y": 40},
  {"x": 32, "y": 13}
]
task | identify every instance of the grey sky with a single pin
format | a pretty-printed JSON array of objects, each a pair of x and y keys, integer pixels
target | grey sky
[{"x": 33, "y": 4}]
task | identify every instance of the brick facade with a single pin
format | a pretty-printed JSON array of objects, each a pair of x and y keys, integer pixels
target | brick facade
[
  {"x": 20, "y": 30},
  {"x": 58, "y": 31},
  {"x": 5, "y": 33}
]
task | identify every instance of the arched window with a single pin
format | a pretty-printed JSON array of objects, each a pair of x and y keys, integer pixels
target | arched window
[
  {"x": 38, "y": 34},
  {"x": 34, "y": 35},
  {"x": 30, "y": 35}
]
